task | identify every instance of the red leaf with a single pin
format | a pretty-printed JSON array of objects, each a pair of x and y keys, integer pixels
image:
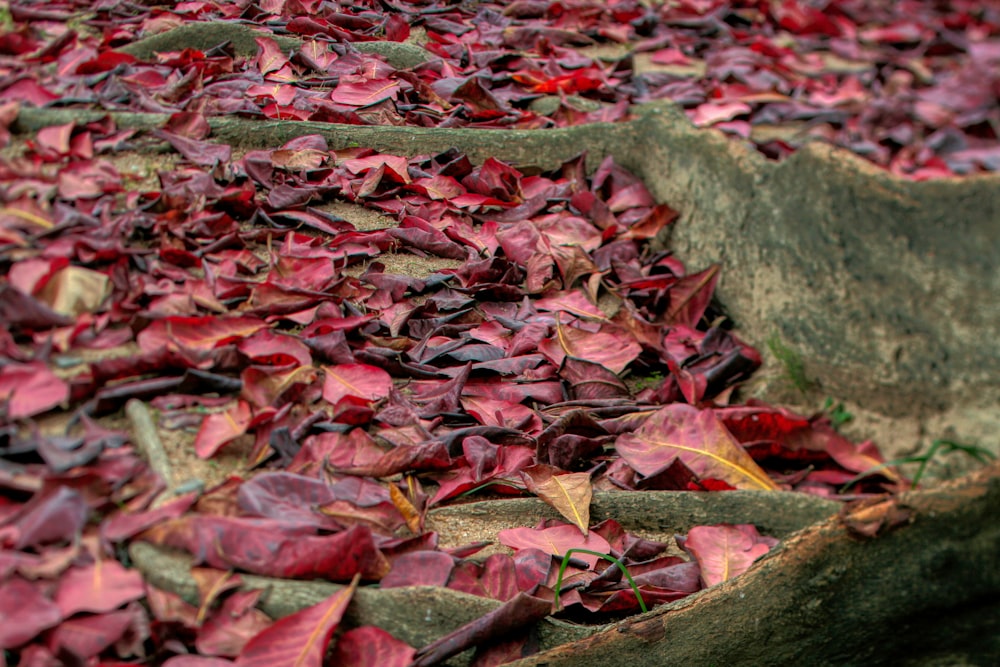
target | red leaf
[
  {"x": 188, "y": 124},
  {"x": 104, "y": 62},
  {"x": 568, "y": 493},
  {"x": 670, "y": 56},
  {"x": 317, "y": 55},
  {"x": 285, "y": 112},
  {"x": 196, "y": 335},
  {"x": 86, "y": 636},
  {"x": 361, "y": 92},
  {"x": 196, "y": 661},
  {"x": 55, "y": 138},
  {"x": 438, "y": 187},
  {"x": 573, "y": 302},
  {"x": 420, "y": 568},
  {"x": 30, "y": 389},
  {"x": 757, "y": 423},
  {"x": 283, "y": 94},
  {"x": 359, "y": 380},
  {"x": 690, "y": 296},
  {"x": 24, "y": 612},
  {"x": 220, "y": 428},
  {"x": 699, "y": 440},
  {"x": 369, "y": 646},
  {"x": 609, "y": 346},
  {"x": 396, "y": 29},
  {"x": 299, "y": 640},
  {"x": 228, "y": 629},
  {"x": 725, "y": 551},
  {"x": 270, "y": 58},
  {"x": 56, "y": 514},
  {"x": 122, "y": 526},
  {"x": 396, "y": 167},
  {"x": 101, "y": 587},
  {"x": 268, "y": 388},
  {"x": 202, "y": 153},
  {"x": 522, "y": 611},
  {"x": 589, "y": 381},
  {"x": 711, "y": 113},
  {"x": 556, "y": 540},
  {"x": 299, "y": 499}
]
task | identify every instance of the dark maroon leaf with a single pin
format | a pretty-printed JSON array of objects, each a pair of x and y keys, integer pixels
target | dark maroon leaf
[
  {"x": 283, "y": 495},
  {"x": 57, "y": 514},
  {"x": 30, "y": 389},
  {"x": 588, "y": 380},
  {"x": 203, "y": 153},
  {"x": 522, "y": 611},
  {"x": 124, "y": 526},
  {"x": 273, "y": 548},
  {"x": 25, "y": 612},
  {"x": 21, "y": 310},
  {"x": 86, "y": 636}
]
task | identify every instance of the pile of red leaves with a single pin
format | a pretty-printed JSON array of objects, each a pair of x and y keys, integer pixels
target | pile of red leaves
[
  {"x": 912, "y": 85},
  {"x": 510, "y": 372},
  {"x": 560, "y": 355}
]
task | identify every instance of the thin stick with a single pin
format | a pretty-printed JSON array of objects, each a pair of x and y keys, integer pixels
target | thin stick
[{"x": 147, "y": 440}]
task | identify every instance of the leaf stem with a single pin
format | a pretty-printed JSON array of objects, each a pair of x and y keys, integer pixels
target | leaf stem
[{"x": 621, "y": 566}]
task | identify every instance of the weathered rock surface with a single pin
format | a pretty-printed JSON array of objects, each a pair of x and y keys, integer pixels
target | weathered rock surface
[
  {"x": 242, "y": 39},
  {"x": 925, "y": 592}
]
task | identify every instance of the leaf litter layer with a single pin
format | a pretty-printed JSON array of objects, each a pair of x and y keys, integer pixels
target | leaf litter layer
[
  {"x": 909, "y": 85},
  {"x": 364, "y": 400}
]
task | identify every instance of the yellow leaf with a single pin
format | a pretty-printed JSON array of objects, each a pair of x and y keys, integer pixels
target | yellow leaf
[{"x": 569, "y": 493}]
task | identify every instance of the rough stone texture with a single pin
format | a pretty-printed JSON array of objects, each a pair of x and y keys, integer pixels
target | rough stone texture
[
  {"x": 652, "y": 514},
  {"x": 884, "y": 287},
  {"x": 921, "y": 593},
  {"x": 204, "y": 36}
]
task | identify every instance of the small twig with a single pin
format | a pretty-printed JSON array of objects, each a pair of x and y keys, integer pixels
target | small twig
[{"x": 146, "y": 438}]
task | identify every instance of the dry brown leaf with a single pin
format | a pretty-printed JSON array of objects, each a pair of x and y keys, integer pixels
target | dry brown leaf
[{"x": 569, "y": 493}]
